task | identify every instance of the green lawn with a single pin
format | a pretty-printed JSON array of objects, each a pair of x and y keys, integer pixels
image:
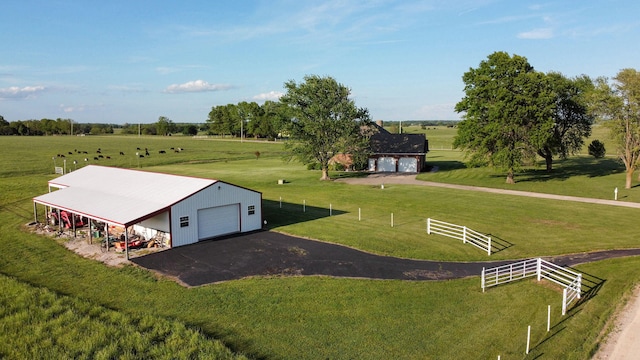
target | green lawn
[{"x": 319, "y": 317}]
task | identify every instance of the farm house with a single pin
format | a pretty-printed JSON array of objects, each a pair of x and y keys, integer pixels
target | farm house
[
  {"x": 182, "y": 210},
  {"x": 404, "y": 153}
]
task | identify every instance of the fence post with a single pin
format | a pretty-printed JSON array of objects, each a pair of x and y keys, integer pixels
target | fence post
[
  {"x": 539, "y": 268},
  {"x": 464, "y": 234},
  {"x": 428, "y": 226},
  {"x": 482, "y": 281},
  {"x": 489, "y": 247},
  {"x": 564, "y": 302},
  {"x": 280, "y": 202},
  {"x": 391, "y": 219},
  {"x": 528, "y": 337},
  {"x": 304, "y": 205},
  {"x": 579, "y": 289},
  {"x": 548, "y": 318}
]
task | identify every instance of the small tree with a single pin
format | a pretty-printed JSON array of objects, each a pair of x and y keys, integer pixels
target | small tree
[{"x": 596, "y": 149}]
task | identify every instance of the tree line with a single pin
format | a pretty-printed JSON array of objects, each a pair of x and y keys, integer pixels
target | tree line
[{"x": 51, "y": 127}]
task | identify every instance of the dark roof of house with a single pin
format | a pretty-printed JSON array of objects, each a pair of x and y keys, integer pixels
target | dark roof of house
[{"x": 384, "y": 142}]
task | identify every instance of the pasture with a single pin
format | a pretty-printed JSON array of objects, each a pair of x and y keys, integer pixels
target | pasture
[{"x": 319, "y": 317}]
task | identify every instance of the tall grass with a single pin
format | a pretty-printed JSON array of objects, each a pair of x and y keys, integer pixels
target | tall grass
[{"x": 37, "y": 323}]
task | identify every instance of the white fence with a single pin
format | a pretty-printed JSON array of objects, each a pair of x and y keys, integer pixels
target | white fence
[
  {"x": 570, "y": 280},
  {"x": 459, "y": 232}
]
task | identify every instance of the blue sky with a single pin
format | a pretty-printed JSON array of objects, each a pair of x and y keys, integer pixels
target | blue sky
[{"x": 133, "y": 61}]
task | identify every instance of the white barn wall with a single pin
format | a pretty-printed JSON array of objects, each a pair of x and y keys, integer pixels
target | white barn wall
[
  {"x": 218, "y": 194},
  {"x": 158, "y": 222}
]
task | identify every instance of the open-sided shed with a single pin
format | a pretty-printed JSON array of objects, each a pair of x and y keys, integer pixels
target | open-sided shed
[{"x": 187, "y": 209}]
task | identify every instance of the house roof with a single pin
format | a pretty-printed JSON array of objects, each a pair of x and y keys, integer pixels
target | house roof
[
  {"x": 384, "y": 142},
  {"x": 119, "y": 196}
]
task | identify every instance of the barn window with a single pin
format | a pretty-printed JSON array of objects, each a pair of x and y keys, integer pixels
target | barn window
[
  {"x": 252, "y": 209},
  {"x": 184, "y": 221}
]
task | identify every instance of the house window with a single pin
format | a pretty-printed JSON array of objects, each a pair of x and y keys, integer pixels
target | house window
[
  {"x": 252, "y": 209},
  {"x": 184, "y": 221}
]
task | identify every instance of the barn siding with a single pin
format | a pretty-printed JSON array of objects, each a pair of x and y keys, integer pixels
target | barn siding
[{"x": 217, "y": 194}]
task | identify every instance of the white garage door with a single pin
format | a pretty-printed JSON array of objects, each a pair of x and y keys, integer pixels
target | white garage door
[
  {"x": 218, "y": 221},
  {"x": 408, "y": 165},
  {"x": 386, "y": 164},
  {"x": 372, "y": 164}
]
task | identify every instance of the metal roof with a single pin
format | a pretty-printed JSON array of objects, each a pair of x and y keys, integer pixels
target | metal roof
[{"x": 120, "y": 196}]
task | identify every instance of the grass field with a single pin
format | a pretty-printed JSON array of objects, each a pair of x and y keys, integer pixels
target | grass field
[{"x": 316, "y": 317}]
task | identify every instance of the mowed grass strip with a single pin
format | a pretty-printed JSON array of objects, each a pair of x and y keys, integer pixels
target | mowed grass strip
[{"x": 318, "y": 317}]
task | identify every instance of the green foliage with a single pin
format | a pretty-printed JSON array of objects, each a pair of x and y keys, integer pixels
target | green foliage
[
  {"x": 507, "y": 113},
  {"x": 596, "y": 149},
  {"x": 165, "y": 126},
  {"x": 572, "y": 120},
  {"x": 325, "y": 121},
  {"x": 618, "y": 106},
  {"x": 190, "y": 130}
]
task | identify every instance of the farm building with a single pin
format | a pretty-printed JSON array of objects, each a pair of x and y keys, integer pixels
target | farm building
[
  {"x": 183, "y": 209},
  {"x": 397, "y": 152}
]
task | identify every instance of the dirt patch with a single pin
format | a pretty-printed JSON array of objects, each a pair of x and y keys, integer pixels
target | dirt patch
[
  {"x": 83, "y": 245},
  {"x": 623, "y": 341}
]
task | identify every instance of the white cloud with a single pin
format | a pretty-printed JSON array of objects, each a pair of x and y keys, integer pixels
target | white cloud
[
  {"x": 81, "y": 108},
  {"x": 196, "y": 86},
  {"x": 71, "y": 109},
  {"x": 17, "y": 93},
  {"x": 542, "y": 33},
  {"x": 271, "y": 95}
]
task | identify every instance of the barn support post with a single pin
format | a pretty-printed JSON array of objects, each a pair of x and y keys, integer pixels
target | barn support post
[
  {"x": 73, "y": 220},
  {"x": 126, "y": 242},
  {"x": 106, "y": 234},
  {"x": 35, "y": 212},
  {"x": 59, "y": 220}
]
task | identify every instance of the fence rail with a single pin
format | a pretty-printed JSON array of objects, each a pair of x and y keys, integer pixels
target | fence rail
[
  {"x": 459, "y": 232},
  {"x": 570, "y": 280}
]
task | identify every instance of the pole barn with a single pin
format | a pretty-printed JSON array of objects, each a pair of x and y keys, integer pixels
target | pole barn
[{"x": 183, "y": 209}]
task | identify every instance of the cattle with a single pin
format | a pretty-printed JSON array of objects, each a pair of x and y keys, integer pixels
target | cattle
[
  {"x": 162, "y": 152},
  {"x": 121, "y": 153}
]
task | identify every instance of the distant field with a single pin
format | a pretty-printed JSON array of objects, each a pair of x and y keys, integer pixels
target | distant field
[{"x": 319, "y": 317}]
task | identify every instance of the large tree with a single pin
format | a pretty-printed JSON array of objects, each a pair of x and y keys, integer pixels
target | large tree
[
  {"x": 507, "y": 113},
  {"x": 325, "y": 121},
  {"x": 572, "y": 120},
  {"x": 618, "y": 106}
]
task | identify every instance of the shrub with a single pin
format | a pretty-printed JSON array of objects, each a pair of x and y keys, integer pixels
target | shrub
[{"x": 596, "y": 149}]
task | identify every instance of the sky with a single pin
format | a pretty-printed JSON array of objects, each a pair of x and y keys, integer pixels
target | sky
[{"x": 133, "y": 61}]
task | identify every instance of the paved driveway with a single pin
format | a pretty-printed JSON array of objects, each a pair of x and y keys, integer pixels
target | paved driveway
[{"x": 267, "y": 253}]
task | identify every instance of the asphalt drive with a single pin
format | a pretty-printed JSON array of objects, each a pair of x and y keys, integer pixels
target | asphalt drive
[{"x": 267, "y": 253}]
